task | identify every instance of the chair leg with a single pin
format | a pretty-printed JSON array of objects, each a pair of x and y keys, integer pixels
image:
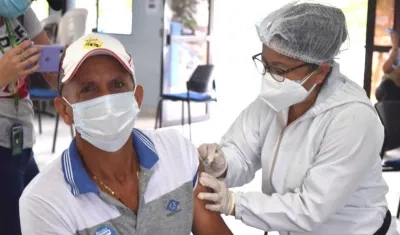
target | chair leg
[
  {"x": 183, "y": 115},
  {"x": 398, "y": 210},
  {"x": 158, "y": 114},
  {"x": 40, "y": 116},
  {"x": 55, "y": 133},
  {"x": 189, "y": 120}
]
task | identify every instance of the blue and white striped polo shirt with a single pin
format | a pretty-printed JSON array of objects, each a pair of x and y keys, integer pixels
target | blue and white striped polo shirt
[{"x": 63, "y": 199}]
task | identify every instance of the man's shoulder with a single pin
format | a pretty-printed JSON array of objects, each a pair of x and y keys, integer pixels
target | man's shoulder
[
  {"x": 177, "y": 166},
  {"x": 49, "y": 180},
  {"x": 162, "y": 134},
  {"x": 169, "y": 143}
]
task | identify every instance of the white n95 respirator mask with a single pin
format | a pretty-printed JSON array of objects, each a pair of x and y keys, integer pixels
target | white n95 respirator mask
[
  {"x": 282, "y": 95},
  {"x": 107, "y": 121}
]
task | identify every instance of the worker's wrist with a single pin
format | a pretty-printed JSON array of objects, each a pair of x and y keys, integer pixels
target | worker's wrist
[
  {"x": 232, "y": 200},
  {"x": 238, "y": 208}
]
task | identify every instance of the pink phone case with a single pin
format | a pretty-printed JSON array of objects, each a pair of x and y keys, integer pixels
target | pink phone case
[{"x": 50, "y": 56}]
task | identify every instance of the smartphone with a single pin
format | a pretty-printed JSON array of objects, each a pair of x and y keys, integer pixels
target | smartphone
[
  {"x": 17, "y": 139},
  {"x": 50, "y": 57}
]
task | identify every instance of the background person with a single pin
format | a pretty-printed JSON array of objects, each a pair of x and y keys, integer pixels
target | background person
[
  {"x": 389, "y": 89},
  {"x": 17, "y": 165}
]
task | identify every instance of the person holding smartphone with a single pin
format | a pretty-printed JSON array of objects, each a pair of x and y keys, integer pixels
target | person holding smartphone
[
  {"x": 389, "y": 89},
  {"x": 18, "y": 59}
]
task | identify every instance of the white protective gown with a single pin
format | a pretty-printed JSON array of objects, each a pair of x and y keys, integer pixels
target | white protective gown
[{"x": 321, "y": 174}]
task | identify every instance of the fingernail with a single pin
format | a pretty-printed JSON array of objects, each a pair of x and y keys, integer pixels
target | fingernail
[{"x": 200, "y": 196}]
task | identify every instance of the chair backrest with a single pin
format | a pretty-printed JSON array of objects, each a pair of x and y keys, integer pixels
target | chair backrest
[
  {"x": 200, "y": 79},
  {"x": 72, "y": 26},
  {"x": 51, "y": 19},
  {"x": 50, "y": 26},
  {"x": 389, "y": 113}
]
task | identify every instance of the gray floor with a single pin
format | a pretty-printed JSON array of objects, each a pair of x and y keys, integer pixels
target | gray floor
[{"x": 201, "y": 134}]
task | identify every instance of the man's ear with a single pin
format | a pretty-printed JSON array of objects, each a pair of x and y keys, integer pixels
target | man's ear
[
  {"x": 64, "y": 110},
  {"x": 139, "y": 93}
]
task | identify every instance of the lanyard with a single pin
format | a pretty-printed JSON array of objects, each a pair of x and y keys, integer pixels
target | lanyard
[{"x": 14, "y": 43}]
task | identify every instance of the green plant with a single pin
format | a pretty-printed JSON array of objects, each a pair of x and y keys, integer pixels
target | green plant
[{"x": 184, "y": 11}]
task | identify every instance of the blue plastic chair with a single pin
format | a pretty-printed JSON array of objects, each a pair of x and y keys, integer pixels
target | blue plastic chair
[
  {"x": 46, "y": 94},
  {"x": 197, "y": 91}
]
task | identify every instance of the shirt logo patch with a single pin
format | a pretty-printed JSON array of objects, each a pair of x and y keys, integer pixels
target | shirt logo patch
[
  {"x": 105, "y": 230},
  {"x": 173, "y": 207},
  {"x": 92, "y": 43}
]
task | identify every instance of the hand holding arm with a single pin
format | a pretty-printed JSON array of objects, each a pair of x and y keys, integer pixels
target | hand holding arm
[{"x": 221, "y": 196}]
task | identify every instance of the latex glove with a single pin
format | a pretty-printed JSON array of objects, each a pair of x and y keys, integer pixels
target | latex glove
[
  {"x": 213, "y": 159},
  {"x": 223, "y": 198}
]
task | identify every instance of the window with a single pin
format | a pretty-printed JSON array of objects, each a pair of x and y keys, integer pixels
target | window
[
  {"x": 112, "y": 14},
  {"x": 91, "y": 7},
  {"x": 383, "y": 20},
  {"x": 41, "y": 9}
]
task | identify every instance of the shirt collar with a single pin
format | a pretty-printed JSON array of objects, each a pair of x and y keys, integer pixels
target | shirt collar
[{"x": 78, "y": 179}]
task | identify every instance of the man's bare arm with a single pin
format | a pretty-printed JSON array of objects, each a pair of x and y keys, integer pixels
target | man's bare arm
[{"x": 206, "y": 222}]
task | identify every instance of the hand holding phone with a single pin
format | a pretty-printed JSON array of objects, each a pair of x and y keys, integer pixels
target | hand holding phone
[
  {"x": 50, "y": 57},
  {"x": 394, "y": 37},
  {"x": 18, "y": 62}
]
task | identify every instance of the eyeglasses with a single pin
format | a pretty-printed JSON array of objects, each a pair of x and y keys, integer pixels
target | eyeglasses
[{"x": 279, "y": 74}]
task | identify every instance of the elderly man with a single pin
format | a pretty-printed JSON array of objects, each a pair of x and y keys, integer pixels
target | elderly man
[{"x": 112, "y": 180}]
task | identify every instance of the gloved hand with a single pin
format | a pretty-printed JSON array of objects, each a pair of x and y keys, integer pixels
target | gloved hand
[
  {"x": 213, "y": 159},
  {"x": 223, "y": 198}
]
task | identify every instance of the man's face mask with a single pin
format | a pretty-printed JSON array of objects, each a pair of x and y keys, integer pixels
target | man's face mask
[{"x": 107, "y": 121}]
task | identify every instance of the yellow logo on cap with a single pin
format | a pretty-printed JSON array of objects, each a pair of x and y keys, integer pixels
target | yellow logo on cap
[{"x": 92, "y": 43}]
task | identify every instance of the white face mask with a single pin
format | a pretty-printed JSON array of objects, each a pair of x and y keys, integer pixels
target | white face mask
[
  {"x": 107, "y": 121},
  {"x": 282, "y": 95}
]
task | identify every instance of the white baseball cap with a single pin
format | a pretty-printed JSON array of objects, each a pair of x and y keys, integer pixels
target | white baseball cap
[{"x": 90, "y": 45}]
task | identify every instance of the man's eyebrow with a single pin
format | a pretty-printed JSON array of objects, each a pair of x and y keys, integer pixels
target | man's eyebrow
[
  {"x": 86, "y": 83},
  {"x": 123, "y": 78}
]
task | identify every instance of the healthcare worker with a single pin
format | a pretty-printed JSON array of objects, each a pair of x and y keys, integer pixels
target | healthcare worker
[
  {"x": 18, "y": 60},
  {"x": 312, "y": 131}
]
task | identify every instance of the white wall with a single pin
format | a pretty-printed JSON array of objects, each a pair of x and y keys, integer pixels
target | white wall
[{"x": 233, "y": 43}]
